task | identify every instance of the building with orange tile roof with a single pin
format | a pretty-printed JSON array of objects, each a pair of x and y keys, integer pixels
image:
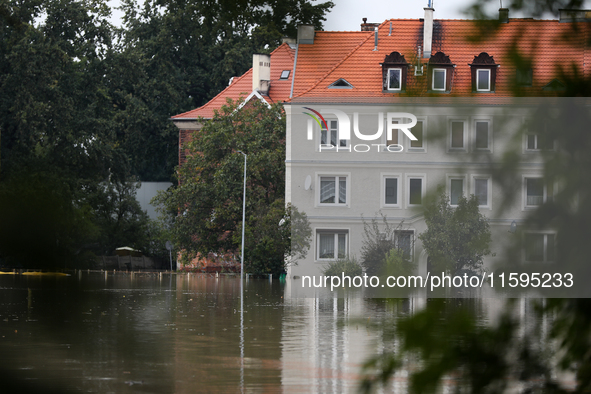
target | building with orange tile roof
[{"x": 469, "y": 85}]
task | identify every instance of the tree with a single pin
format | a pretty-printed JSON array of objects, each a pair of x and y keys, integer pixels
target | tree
[
  {"x": 176, "y": 55},
  {"x": 457, "y": 238},
  {"x": 384, "y": 248},
  {"x": 209, "y": 199},
  {"x": 450, "y": 340}
]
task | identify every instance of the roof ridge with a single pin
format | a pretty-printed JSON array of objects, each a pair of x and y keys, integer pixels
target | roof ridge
[
  {"x": 216, "y": 96},
  {"x": 338, "y": 63}
]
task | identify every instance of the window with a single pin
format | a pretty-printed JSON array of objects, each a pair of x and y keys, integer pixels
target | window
[
  {"x": 391, "y": 191},
  {"x": 394, "y": 139},
  {"x": 417, "y": 131},
  {"x": 536, "y": 142},
  {"x": 331, "y": 244},
  {"x": 484, "y": 71},
  {"x": 483, "y": 80},
  {"x": 482, "y": 135},
  {"x": 535, "y": 192},
  {"x": 440, "y": 74},
  {"x": 333, "y": 190},
  {"x": 405, "y": 242},
  {"x": 456, "y": 190},
  {"x": 285, "y": 74},
  {"x": 394, "y": 70},
  {"x": 457, "y": 136},
  {"x": 438, "y": 79},
  {"x": 524, "y": 76},
  {"x": 415, "y": 190},
  {"x": 481, "y": 191},
  {"x": 395, "y": 79},
  {"x": 329, "y": 137},
  {"x": 340, "y": 84},
  {"x": 539, "y": 247}
]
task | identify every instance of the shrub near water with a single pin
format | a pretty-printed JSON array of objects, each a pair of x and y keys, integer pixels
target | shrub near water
[{"x": 347, "y": 266}]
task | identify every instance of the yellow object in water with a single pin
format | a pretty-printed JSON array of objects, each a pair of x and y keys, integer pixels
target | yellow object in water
[{"x": 36, "y": 273}]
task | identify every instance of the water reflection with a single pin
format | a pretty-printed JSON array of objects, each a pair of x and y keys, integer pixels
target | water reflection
[{"x": 150, "y": 332}]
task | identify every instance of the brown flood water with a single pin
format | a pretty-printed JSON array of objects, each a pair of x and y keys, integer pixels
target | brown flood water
[{"x": 183, "y": 333}]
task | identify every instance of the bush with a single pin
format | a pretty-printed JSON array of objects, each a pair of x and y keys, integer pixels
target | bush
[
  {"x": 395, "y": 264},
  {"x": 348, "y": 266}
]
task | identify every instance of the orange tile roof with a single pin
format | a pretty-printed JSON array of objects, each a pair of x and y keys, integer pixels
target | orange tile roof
[
  {"x": 551, "y": 46},
  {"x": 241, "y": 87}
]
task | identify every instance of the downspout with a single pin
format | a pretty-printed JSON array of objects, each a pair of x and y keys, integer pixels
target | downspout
[{"x": 295, "y": 61}]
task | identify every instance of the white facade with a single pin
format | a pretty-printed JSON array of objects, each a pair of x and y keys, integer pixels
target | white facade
[{"x": 459, "y": 149}]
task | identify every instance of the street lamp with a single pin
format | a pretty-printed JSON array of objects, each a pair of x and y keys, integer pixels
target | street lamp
[
  {"x": 243, "y": 219},
  {"x": 242, "y": 281}
]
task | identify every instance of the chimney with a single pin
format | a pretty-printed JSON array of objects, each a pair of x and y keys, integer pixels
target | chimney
[
  {"x": 571, "y": 15},
  {"x": 504, "y": 15},
  {"x": 368, "y": 26},
  {"x": 261, "y": 72},
  {"x": 428, "y": 32},
  {"x": 288, "y": 40},
  {"x": 305, "y": 34}
]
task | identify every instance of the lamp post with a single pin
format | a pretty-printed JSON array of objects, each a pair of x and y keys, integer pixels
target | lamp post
[
  {"x": 242, "y": 282},
  {"x": 243, "y": 218}
]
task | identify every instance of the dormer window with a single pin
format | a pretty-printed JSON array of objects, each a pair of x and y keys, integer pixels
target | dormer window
[
  {"x": 440, "y": 73},
  {"x": 484, "y": 72},
  {"x": 394, "y": 71},
  {"x": 340, "y": 84}
]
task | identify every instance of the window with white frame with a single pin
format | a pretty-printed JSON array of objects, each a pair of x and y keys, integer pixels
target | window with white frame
[
  {"x": 482, "y": 135},
  {"x": 482, "y": 190},
  {"x": 416, "y": 190},
  {"x": 456, "y": 190},
  {"x": 395, "y": 79},
  {"x": 330, "y": 137},
  {"x": 537, "y": 142},
  {"x": 418, "y": 131},
  {"x": 535, "y": 191},
  {"x": 483, "y": 80},
  {"x": 539, "y": 247},
  {"x": 333, "y": 190},
  {"x": 331, "y": 244},
  {"x": 457, "y": 137},
  {"x": 438, "y": 79},
  {"x": 391, "y": 191}
]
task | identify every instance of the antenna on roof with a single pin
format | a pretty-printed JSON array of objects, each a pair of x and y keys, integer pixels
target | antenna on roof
[{"x": 501, "y": 3}]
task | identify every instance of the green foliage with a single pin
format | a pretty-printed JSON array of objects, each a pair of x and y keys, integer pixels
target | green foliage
[
  {"x": 118, "y": 215},
  {"x": 395, "y": 263},
  {"x": 377, "y": 244},
  {"x": 347, "y": 266},
  {"x": 446, "y": 339},
  {"x": 175, "y": 55},
  {"x": 42, "y": 225},
  {"x": 210, "y": 191},
  {"x": 457, "y": 237}
]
